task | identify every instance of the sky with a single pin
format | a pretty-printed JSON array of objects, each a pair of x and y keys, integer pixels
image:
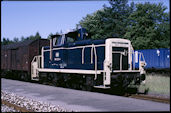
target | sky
[{"x": 25, "y": 18}]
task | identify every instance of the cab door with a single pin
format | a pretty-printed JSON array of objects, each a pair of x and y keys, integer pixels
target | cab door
[{"x": 120, "y": 58}]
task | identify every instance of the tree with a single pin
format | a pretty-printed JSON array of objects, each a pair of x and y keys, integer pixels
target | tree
[
  {"x": 6, "y": 41},
  {"x": 57, "y": 33},
  {"x": 22, "y": 38},
  {"x": 148, "y": 26},
  {"x": 49, "y": 36},
  {"x": 31, "y": 37},
  {"x": 16, "y": 39},
  {"x": 163, "y": 33},
  {"x": 37, "y": 36},
  {"x": 109, "y": 21}
]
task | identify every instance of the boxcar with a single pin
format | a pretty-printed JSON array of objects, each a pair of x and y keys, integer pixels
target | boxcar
[
  {"x": 157, "y": 58},
  {"x": 17, "y": 57}
]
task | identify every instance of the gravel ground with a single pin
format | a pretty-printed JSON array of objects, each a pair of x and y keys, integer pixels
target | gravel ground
[
  {"x": 5, "y": 108},
  {"x": 75, "y": 100},
  {"x": 30, "y": 104}
]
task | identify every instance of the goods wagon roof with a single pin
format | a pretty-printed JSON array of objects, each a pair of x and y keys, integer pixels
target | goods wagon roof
[{"x": 18, "y": 44}]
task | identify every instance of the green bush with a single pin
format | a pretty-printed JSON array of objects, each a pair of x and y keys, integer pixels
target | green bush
[{"x": 157, "y": 84}]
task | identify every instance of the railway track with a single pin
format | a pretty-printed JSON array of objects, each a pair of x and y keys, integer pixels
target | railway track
[
  {"x": 137, "y": 96},
  {"x": 151, "y": 98},
  {"x": 16, "y": 107}
]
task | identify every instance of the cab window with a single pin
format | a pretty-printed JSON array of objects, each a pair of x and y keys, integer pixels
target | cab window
[
  {"x": 57, "y": 41},
  {"x": 70, "y": 40}
]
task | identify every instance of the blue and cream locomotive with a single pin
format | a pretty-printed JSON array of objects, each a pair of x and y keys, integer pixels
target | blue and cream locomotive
[{"x": 73, "y": 59}]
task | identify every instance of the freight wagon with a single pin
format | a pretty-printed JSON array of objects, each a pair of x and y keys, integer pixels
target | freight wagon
[
  {"x": 156, "y": 59},
  {"x": 16, "y": 58}
]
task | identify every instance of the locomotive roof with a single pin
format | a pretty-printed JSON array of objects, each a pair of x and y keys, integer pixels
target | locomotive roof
[
  {"x": 81, "y": 43},
  {"x": 18, "y": 44}
]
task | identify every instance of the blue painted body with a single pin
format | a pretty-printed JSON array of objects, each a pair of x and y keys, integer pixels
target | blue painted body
[
  {"x": 67, "y": 56},
  {"x": 157, "y": 58},
  {"x": 72, "y": 58},
  {"x": 135, "y": 59}
]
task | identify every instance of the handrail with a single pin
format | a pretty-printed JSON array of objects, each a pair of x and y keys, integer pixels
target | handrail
[
  {"x": 92, "y": 48},
  {"x": 83, "y": 55},
  {"x": 140, "y": 56},
  {"x": 37, "y": 60},
  {"x": 95, "y": 62}
]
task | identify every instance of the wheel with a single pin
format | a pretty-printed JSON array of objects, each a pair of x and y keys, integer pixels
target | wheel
[
  {"x": 42, "y": 78},
  {"x": 119, "y": 84}
]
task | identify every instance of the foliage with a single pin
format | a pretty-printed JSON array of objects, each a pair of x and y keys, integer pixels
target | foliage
[
  {"x": 149, "y": 27},
  {"x": 7, "y": 41},
  {"x": 57, "y": 33},
  {"x": 109, "y": 21},
  {"x": 157, "y": 84},
  {"x": 146, "y": 25},
  {"x": 16, "y": 39},
  {"x": 37, "y": 36}
]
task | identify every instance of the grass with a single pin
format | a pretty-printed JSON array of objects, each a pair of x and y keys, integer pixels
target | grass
[{"x": 157, "y": 84}]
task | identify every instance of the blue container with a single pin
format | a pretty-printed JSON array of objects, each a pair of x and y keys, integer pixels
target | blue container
[{"x": 157, "y": 58}]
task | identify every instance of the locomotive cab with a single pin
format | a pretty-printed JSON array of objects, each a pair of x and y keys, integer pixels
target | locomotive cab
[{"x": 70, "y": 37}]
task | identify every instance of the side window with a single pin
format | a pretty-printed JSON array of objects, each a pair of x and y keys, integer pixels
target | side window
[
  {"x": 70, "y": 40},
  {"x": 57, "y": 41},
  {"x": 54, "y": 41}
]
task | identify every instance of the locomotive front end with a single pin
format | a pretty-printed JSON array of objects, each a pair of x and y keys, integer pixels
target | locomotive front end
[{"x": 122, "y": 65}]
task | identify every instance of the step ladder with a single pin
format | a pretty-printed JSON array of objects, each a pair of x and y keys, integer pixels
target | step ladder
[
  {"x": 102, "y": 86},
  {"x": 35, "y": 65}
]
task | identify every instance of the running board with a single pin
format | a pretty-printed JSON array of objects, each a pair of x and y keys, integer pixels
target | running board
[
  {"x": 35, "y": 78},
  {"x": 102, "y": 86},
  {"x": 78, "y": 71}
]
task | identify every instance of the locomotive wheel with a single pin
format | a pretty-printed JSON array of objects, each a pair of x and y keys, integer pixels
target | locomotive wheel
[
  {"x": 42, "y": 78},
  {"x": 87, "y": 83},
  {"x": 89, "y": 88},
  {"x": 119, "y": 84},
  {"x": 21, "y": 76},
  {"x": 54, "y": 80},
  {"x": 73, "y": 86},
  {"x": 67, "y": 84},
  {"x": 50, "y": 78},
  {"x": 86, "y": 88},
  {"x": 83, "y": 88},
  {"x": 24, "y": 76}
]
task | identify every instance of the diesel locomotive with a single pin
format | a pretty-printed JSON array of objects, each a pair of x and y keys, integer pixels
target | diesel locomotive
[{"x": 74, "y": 60}]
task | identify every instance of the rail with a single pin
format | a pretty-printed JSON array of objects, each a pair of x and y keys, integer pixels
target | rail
[
  {"x": 151, "y": 98},
  {"x": 16, "y": 107}
]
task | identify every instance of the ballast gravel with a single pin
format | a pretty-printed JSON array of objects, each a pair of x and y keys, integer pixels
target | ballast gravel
[
  {"x": 5, "y": 108},
  {"x": 30, "y": 104}
]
